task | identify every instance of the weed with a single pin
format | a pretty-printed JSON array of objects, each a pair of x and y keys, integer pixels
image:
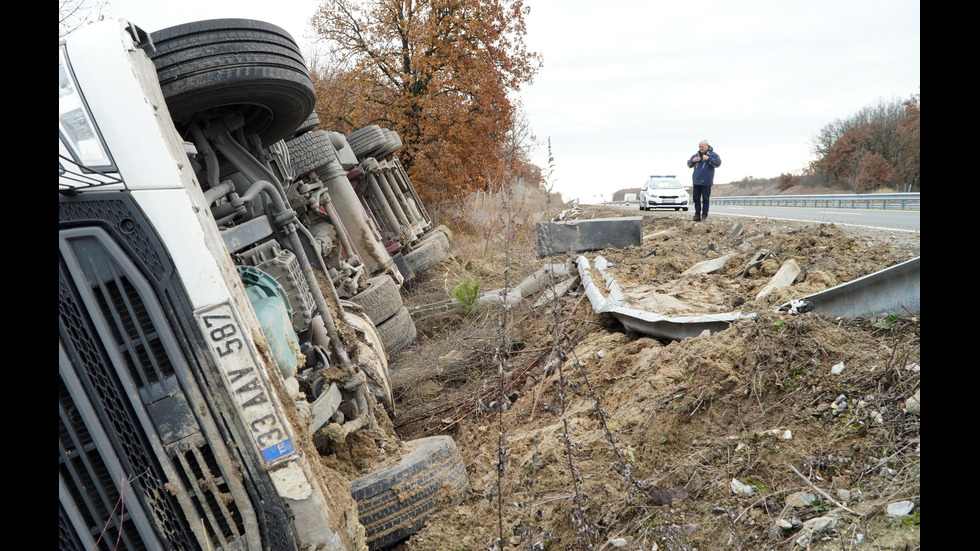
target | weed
[
  {"x": 467, "y": 293},
  {"x": 629, "y": 454},
  {"x": 888, "y": 321},
  {"x": 753, "y": 482}
]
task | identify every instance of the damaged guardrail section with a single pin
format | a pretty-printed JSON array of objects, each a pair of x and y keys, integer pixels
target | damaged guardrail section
[
  {"x": 670, "y": 327},
  {"x": 894, "y": 289}
]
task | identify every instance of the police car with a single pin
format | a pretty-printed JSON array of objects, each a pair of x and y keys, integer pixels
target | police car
[{"x": 664, "y": 192}]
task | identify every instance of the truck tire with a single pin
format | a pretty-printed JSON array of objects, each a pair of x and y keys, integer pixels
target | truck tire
[
  {"x": 253, "y": 66},
  {"x": 380, "y": 300},
  {"x": 395, "y": 502},
  {"x": 310, "y": 152},
  {"x": 392, "y": 143},
  {"x": 310, "y": 123},
  {"x": 425, "y": 255},
  {"x": 398, "y": 332},
  {"x": 365, "y": 141}
]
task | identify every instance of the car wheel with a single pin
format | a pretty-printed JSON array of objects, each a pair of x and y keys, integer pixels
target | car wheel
[
  {"x": 398, "y": 332},
  {"x": 254, "y": 66},
  {"x": 395, "y": 502},
  {"x": 685, "y": 209},
  {"x": 380, "y": 300}
]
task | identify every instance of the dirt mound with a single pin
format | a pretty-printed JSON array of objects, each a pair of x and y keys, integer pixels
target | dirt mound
[{"x": 780, "y": 432}]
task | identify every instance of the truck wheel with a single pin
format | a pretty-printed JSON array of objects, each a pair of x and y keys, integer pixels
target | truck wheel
[
  {"x": 310, "y": 123},
  {"x": 364, "y": 141},
  {"x": 310, "y": 151},
  {"x": 429, "y": 253},
  {"x": 392, "y": 143},
  {"x": 395, "y": 502},
  {"x": 250, "y": 65},
  {"x": 380, "y": 300},
  {"x": 398, "y": 332}
]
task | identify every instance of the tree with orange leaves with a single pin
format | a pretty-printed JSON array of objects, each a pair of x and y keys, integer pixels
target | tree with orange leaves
[
  {"x": 907, "y": 165},
  {"x": 437, "y": 72}
]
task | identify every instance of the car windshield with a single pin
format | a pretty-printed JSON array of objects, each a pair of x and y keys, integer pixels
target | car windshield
[{"x": 665, "y": 184}]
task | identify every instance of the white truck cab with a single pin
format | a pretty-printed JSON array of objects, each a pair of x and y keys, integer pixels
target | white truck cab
[{"x": 206, "y": 360}]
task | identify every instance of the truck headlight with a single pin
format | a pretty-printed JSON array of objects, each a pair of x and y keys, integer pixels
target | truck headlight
[{"x": 75, "y": 125}]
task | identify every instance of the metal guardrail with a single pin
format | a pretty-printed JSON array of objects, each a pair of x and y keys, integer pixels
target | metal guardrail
[{"x": 885, "y": 201}]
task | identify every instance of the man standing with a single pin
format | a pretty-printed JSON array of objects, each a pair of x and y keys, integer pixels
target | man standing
[{"x": 704, "y": 162}]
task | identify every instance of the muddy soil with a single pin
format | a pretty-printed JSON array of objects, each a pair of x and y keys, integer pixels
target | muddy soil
[{"x": 781, "y": 432}]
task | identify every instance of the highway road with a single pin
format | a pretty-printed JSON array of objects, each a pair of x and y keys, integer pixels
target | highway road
[{"x": 901, "y": 220}]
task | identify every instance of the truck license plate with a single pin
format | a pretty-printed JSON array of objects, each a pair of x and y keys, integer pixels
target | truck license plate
[{"x": 245, "y": 382}]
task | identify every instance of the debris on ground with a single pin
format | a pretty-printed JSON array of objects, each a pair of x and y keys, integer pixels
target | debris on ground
[{"x": 578, "y": 433}]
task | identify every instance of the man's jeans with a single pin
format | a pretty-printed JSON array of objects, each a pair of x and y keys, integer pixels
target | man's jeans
[{"x": 702, "y": 194}]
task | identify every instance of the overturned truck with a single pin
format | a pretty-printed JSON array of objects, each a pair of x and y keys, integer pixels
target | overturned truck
[
  {"x": 343, "y": 176},
  {"x": 215, "y": 335}
]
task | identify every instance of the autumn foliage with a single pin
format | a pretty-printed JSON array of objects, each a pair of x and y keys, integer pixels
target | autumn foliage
[
  {"x": 440, "y": 74},
  {"x": 878, "y": 147}
]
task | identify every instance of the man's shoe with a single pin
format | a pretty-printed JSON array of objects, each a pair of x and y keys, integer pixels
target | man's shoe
[
  {"x": 697, "y": 218},
  {"x": 704, "y": 217}
]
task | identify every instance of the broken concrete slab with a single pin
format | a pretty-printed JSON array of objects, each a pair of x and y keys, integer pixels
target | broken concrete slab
[
  {"x": 707, "y": 266},
  {"x": 784, "y": 278},
  {"x": 541, "y": 280},
  {"x": 588, "y": 235},
  {"x": 531, "y": 285},
  {"x": 561, "y": 289}
]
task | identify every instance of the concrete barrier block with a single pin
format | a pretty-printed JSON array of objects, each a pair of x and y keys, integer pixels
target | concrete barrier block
[{"x": 589, "y": 235}]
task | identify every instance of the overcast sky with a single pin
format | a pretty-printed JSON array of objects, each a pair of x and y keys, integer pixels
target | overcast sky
[{"x": 627, "y": 90}]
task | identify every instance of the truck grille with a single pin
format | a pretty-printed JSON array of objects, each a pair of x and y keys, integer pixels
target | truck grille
[{"x": 141, "y": 465}]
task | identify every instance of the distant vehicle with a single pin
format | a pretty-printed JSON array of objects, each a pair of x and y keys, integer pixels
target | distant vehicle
[{"x": 664, "y": 192}]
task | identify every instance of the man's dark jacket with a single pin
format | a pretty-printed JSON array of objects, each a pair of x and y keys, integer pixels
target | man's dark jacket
[{"x": 704, "y": 171}]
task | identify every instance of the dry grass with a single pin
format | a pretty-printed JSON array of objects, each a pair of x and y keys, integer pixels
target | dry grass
[{"x": 681, "y": 419}]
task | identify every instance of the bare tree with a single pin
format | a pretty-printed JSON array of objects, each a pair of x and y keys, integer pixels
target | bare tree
[{"x": 72, "y": 14}]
